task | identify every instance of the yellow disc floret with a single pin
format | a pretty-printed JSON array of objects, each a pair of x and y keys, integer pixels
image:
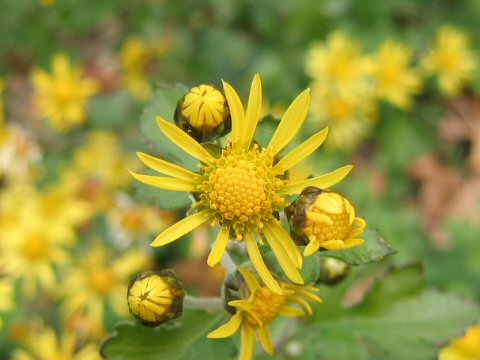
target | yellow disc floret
[
  {"x": 265, "y": 307},
  {"x": 242, "y": 188}
]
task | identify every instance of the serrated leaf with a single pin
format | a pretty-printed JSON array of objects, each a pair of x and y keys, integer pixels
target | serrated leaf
[
  {"x": 163, "y": 104},
  {"x": 183, "y": 340},
  {"x": 374, "y": 249},
  {"x": 411, "y": 328}
]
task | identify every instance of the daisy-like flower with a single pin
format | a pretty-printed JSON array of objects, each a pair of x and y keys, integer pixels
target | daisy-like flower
[
  {"x": 350, "y": 118},
  {"x": 244, "y": 187},
  {"x": 258, "y": 307},
  {"x": 324, "y": 219},
  {"x": 62, "y": 96},
  {"x": 451, "y": 59},
  {"x": 46, "y": 345},
  {"x": 394, "y": 80},
  {"x": 338, "y": 64},
  {"x": 466, "y": 347},
  {"x": 99, "y": 279}
]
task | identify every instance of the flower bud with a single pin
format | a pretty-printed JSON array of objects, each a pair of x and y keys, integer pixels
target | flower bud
[
  {"x": 332, "y": 271},
  {"x": 155, "y": 297},
  {"x": 324, "y": 219},
  {"x": 203, "y": 113}
]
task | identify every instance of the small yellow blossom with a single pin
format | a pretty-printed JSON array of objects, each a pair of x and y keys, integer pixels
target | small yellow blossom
[
  {"x": 155, "y": 297},
  {"x": 45, "y": 345},
  {"x": 338, "y": 65},
  {"x": 349, "y": 118},
  {"x": 451, "y": 59},
  {"x": 466, "y": 347},
  {"x": 62, "y": 96},
  {"x": 98, "y": 279},
  {"x": 324, "y": 219},
  {"x": 258, "y": 307},
  {"x": 203, "y": 113},
  {"x": 394, "y": 80},
  {"x": 244, "y": 187}
]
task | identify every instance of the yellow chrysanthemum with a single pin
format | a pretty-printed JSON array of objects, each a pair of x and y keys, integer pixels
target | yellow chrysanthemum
[
  {"x": 244, "y": 187},
  {"x": 259, "y": 308},
  {"x": 324, "y": 219},
  {"x": 99, "y": 279},
  {"x": 45, "y": 345},
  {"x": 463, "y": 348},
  {"x": 394, "y": 80},
  {"x": 62, "y": 96},
  {"x": 338, "y": 65},
  {"x": 451, "y": 60},
  {"x": 349, "y": 117}
]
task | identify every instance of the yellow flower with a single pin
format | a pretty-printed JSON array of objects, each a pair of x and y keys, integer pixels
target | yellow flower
[
  {"x": 45, "y": 345},
  {"x": 338, "y": 65},
  {"x": 324, "y": 219},
  {"x": 99, "y": 279},
  {"x": 155, "y": 297},
  {"x": 349, "y": 117},
  {"x": 463, "y": 348},
  {"x": 262, "y": 306},
  {"x": 451, "y": 60},
  {"x": 62, "y": 96},
  {"x": 394, "y": 81},
  {"x": 244, "y": 187}
]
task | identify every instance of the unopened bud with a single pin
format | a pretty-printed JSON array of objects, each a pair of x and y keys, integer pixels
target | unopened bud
[
  {"x": 332, "y": 271},
  {"x": 155, "y": 297},
  {"x": 203, "y": 113}
]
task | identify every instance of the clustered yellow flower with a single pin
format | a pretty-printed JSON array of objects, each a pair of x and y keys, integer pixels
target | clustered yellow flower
[
  {"x": 244, "y": 186},
  {"x": 62, "y": 96},
  {"x": 258, "y": 307}
]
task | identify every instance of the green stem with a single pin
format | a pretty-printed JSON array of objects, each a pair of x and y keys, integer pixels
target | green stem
[{"x": 213, "y": 304}]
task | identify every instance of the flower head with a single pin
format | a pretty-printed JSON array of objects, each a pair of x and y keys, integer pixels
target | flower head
[
  {"x": 155, "y": 297},
  {"x": 324, "y": 219},
  {"x": 260, "y": 306},
  {"x": 203, "y": 113},
  {"x": 62, "y": 96},
  {"x": 466, "y": 347},
  {"x": 451, "y": 60},
  {"x": 394, "y": 81},
  {"x": 244, "y": 187}
]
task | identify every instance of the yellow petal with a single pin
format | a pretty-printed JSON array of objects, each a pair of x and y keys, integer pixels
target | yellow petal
[
  {"x": 248, "y": 342},
  {"x": 244, "y": 305},
  {"x": 236, "y": 112},
  {"x": 291, "y": 311},
  {"x": 219, "y": 247},
  {"x": 302, "y": 302},
  {"x": 250, "y": 279},
  {"x": 319, "y": 218},
  {"x": 291, "y": 122},
  {"x": 166, "y": 167},
  {"x": 262, "y": 270},
  {"x": 311, "y": 248},
  {"x": 330, "y": 203},
  {"x": 301, "y": 152},
  {"x": 184, "y": 141},
  {"x": 322, "y": 182},
  {"x": 254, "y": 109},
  {"x": 181, "y": 228},
  {"x": 333, "y": 244},
  {"x": 283, "y": 258},
  {"x": 309, "y": 295},
  {"x": 287, "y": 242},
  {"x": 227, "y": 329},
  {"x": 265, "y": 339},
  {"x": 167, "y": 183}
]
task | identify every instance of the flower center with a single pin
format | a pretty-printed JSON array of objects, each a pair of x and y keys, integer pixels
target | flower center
[
  {"x": 102, "y": 280},
  {"x": 35, "y": 247},
  {"x": 266, "y": 306},
  {"x": 335, "y": 225},
  {"x": 241, "y": 188},
  {"x": 134, "y": 220}
]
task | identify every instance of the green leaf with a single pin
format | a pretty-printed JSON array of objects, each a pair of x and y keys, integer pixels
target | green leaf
[
  {"x": 396, "y": 320},
  {"x": 163, "y": 104},
  {"x": 112, "y": 111},
  {"x": 182, "y": 340},
  {"x": 374, "y": 249}
]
